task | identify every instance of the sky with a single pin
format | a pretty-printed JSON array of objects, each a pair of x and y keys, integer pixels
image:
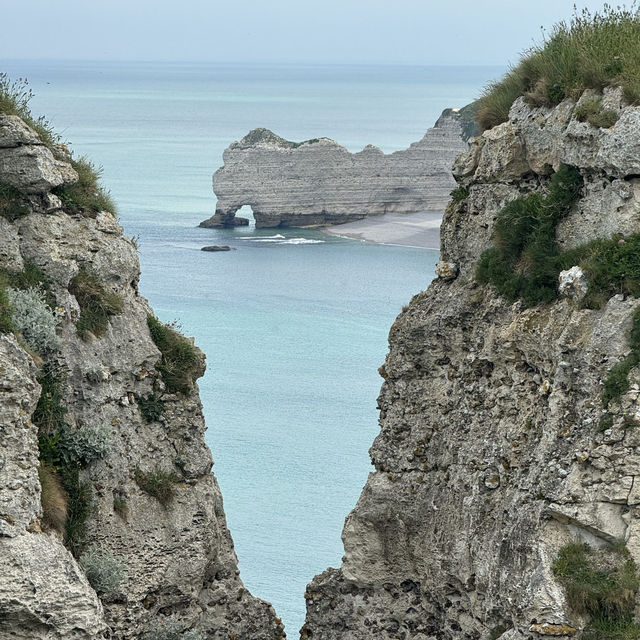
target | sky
[{"x": 422, "y": 32}]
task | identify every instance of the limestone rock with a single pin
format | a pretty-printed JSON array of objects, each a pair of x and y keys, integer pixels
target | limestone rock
[
  {"x": 489, "y": 457},
  {"x": 319, "y": 182},
  {"x": 573, "y": 283},
  {"x": 446, "y": 270},
  {"x": 181, "y": 566}
]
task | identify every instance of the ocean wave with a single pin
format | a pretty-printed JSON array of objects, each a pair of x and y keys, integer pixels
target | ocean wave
[
  {"x": 276, "y": 237},
  {"x": 282, "y": 240}
]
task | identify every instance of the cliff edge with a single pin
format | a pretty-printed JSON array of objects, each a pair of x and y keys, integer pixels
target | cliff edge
[
  {"x": 504, "y": 502},
  {"x": 111, "y": 522},
  {"x": 318, "y": 182}
]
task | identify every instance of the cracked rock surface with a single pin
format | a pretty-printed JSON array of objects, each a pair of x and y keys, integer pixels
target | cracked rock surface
[{"x": 491, "y": 455}]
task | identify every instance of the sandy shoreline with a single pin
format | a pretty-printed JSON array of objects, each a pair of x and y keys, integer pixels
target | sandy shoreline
[{"x": 406, "y": 229}]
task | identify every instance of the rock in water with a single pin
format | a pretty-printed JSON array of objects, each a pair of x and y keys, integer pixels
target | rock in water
[
  {"x": 216, "y": 247},
  {"x": 319, "y": 182},
  {"x": 494, "y": 449}
]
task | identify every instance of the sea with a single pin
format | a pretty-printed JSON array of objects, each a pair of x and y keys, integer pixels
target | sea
[{"x": 294, "y": 323}]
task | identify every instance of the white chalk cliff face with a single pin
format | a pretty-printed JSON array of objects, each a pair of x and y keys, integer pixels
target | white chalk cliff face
[
  {"x": 180, "y": 567},
  {"x": 489, "y": 457},
  {"x": 318, "y": 182}
]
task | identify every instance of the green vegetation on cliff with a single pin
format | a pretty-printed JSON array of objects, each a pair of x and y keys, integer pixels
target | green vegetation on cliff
[{"x": 592, "y": 51}]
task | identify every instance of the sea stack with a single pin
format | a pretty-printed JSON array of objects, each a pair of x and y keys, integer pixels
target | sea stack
[{"x": 319, "y": 182}]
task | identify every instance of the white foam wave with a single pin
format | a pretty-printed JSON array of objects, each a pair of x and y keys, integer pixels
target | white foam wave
[{"x": 276, "y": 237}]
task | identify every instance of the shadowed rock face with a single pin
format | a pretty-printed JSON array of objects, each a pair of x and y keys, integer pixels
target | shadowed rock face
[
  {"x": 181, "y": 569},
  {"x": 489, "y": 457},
  {"x": 318, "y": 182}
]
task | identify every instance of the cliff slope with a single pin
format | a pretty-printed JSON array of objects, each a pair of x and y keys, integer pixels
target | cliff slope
[
  {"x": 103, "y": 434},
  {"x": 504, "y": 441},
  {"x": 319, "y": 182}
]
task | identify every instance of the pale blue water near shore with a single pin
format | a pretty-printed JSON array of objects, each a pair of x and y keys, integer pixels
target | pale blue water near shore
[{"x": 294, "y": 328}]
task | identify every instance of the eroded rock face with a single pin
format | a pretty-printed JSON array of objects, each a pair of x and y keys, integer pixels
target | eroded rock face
[
  {"x": 181, "y": 568},
  {"x": 490, "y": 456},
  {"x": 319, "y": 182}
]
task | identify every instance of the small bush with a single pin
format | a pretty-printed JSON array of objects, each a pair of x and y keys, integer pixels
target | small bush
[
  {"x": 601, "y": 583},
  {"x": 104, "y": 571},
  {"x": 86, "y": 196},
  {"x": 53, "y": 498},
  {"x": 97, "y": 304},
  {"x": 6, "y": 311},
  {"x": 592, "y": 51},
  {"x": 79, "y": 508},
  {"x": 524, "y": 263},
  {"x": 151, "y": 408},
  {"x": 591, "y": 111},
  {"x": 34, "y": 319},
  {"x": 12, "y": 204},
  {"x": 459, "y": 194},
  {"x": 157, "y": 483},
  {"x": 49, "y": 415},
  {"x": 83, "y": 446},
  {"x": 180, "y": 363}
]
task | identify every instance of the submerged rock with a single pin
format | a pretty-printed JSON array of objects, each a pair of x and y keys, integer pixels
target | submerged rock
[
  {"x": 318, "y": 182},
  {"x": 217, "y": 247}
]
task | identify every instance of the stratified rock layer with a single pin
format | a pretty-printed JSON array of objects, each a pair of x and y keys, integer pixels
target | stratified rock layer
[
  {"x": 490, "y": 457},
  {"x": 318, "y": 182},
  {"x": 181, "y": 570}
]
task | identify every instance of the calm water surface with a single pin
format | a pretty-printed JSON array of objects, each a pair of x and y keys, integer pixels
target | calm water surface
[{"x": 295, "y": 327}]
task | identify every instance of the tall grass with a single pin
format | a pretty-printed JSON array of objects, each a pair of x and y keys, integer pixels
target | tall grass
[{"x": 591, "y": 51}]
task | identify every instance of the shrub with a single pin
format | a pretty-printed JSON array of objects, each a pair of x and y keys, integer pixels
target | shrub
[
  {"x": 86, "y": 196},
  {"x": 592, "y": 51},
  {"x": 151, "y": 407},
  {"x": 49, "y": 415},
  {"x": 601, "y": 583},
  {"x": 459, "y": 194},
  {"x": 14, "y": 100},
  {"x": 53, "y": 498},
  {"x": 83, "y": 446},
  {"x": 591, "y": 111},
  {"x": 524, "y": 263},
  {"x": 159, "y": 484},
  {"x": 79, "y": 508},
  {"x": 104, "y": 571},
  {"x": 33, "y": 317},
  {"x": 97, "y": 304},
  {"x": 12, "y": 204},
  {"x": 6, "y": 312},
  {"x": 180, "y": 362}
]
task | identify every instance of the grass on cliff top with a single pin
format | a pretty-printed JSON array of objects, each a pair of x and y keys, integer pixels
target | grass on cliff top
[
  {"x": 591, "y": 51},
  {"x": 603, "y": 584}
]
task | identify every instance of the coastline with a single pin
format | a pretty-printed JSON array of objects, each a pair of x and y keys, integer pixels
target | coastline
[{"x": 420, "y": 230}]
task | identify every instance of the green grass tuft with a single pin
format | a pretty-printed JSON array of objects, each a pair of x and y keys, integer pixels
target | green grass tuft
[
  {"x": 97, "y": 304},
  {"x": 601, "y": 583},
  {"x": 591, "y": 51},
  {"x": 14, "y": 100},
  {"x": 523, "y": 264},
  {"x": 590, "y": 110},
  {"x": 159, "y": 484},
  {"x": 459, "y": 194},
  {"x": 86, "y": 196},
  {"x": 180, "y": 363}
]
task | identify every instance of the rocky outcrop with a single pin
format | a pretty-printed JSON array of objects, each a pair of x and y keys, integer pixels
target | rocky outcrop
[
  {"x": 318, "y": 182},
  {"x": 180, "y": 569},
  {"x": 492, "y": 452}
]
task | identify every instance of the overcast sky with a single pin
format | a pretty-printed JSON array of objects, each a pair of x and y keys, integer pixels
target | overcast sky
[{"x": 293, "y": 31}]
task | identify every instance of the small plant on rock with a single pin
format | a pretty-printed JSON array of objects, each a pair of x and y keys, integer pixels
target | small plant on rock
[
  {"x": 53, "y": 498},
  {"x": 590, "y": 110},
  {"x": 180, "y": 363},
  {"x": 12, "y": 204},
  {"x": 157, "y": 483},
  {"x": 151, "y": 407},
  {"x": 97, "y": 304},
  {"x": 104, "y": 571},
  {"x": 33, "y": 318}
]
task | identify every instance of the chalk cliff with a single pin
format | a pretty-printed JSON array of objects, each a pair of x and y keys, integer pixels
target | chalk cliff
[
  {"x": 502, "y": 437},
  {"x": 103, "y": 450},
  {"x": 319, "y": 182}
]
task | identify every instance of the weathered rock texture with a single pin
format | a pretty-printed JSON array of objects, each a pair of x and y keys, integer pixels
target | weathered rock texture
[
  {"x": 319, "y": 182},
  {"x": 181, "y": 567},
  {"x": 489, "y": 457}
]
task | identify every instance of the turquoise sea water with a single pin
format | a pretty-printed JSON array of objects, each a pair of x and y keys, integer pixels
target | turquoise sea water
[{"x": 294, "y": 327}]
